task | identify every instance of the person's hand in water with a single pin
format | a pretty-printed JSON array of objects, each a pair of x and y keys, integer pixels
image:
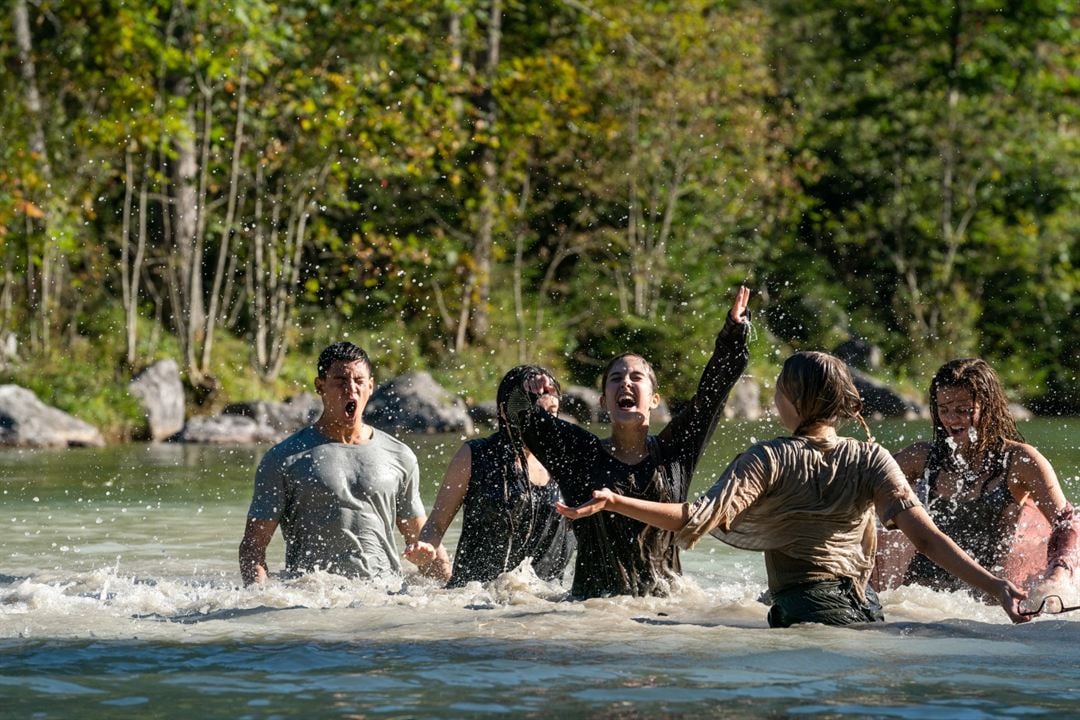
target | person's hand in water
[
  {"x": 420, "y": 553},
  {"x": 738, "y": 312},
  {"x": 1009, "y": 597},
  {"x": 603, "y": 499}
]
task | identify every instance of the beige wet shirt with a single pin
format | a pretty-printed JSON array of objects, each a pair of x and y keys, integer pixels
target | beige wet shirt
[{"x": 808, "y": 504}]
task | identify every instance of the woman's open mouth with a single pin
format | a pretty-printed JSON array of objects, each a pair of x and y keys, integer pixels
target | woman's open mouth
[{"x": 626, "y": 403}]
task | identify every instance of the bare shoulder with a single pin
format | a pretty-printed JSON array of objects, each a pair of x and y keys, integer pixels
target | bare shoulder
[
  {"x": 912, "y": 459},
  {"x": 463, "y": 457},
  {"x": 1029, "y": 464}
]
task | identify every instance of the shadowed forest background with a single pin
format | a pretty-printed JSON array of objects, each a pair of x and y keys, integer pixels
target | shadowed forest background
[{"x": 463, "y": 186}]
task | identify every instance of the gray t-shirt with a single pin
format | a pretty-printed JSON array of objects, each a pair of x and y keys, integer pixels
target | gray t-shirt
[{"x": 337, "y": 502}]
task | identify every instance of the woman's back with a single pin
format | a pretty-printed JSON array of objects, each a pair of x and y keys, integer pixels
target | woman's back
[{"x": 808, "y": 504}]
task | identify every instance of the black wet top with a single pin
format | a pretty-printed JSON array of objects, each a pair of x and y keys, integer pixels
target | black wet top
[
  {"x": 617, "y": 555},
  {"x": 506, "y": 519},
  {"x": 977, "y": 525}
]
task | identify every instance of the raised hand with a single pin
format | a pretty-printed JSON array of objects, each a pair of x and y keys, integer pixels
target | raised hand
[
  {"x": 539, "y": 385},
  {"x": 738, "y": 307}
]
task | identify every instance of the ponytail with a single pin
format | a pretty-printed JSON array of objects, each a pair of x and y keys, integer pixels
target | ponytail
[{"x": 866, "y": 428}]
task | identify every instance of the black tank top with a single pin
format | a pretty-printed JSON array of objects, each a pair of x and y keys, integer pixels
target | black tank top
[
  {"x": 977, "y": 525},
  {"x": 506, "y": 519}
]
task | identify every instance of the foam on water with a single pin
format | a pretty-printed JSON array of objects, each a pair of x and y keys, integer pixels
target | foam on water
[
  {"x": 87, "y": 600},
  {"x": 144, "y": 609}
]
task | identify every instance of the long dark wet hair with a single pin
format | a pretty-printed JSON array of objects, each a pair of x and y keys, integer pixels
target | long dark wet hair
[
  {"x": 510, "y": 399},
  {"x": 995, "y": 424},
  {"x": 510, "y": 389},
  {"x": 820, "y": 388}
]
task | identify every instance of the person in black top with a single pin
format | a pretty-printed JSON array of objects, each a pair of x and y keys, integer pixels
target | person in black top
[
  {"x": 617, "y": 555},
  {"x": 508, "y": 498},
  {"x": 975, "y": 477}
]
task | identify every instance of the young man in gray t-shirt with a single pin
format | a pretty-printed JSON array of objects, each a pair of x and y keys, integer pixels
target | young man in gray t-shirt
[{"x": 338, "y": 487}]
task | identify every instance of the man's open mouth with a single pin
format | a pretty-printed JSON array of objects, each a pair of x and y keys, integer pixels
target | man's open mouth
[{"x": 350, "y": 408}]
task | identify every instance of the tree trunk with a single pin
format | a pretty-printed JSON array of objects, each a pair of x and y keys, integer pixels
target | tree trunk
[
  {"x": 489, "y": 190},
  {"x": 217, "y": 305},
  {"x": 41, "y": 293},
  {"x": 187, "y": 275}
]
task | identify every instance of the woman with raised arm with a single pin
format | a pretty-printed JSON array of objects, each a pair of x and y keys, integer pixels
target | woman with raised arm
[
  {"x": 808, "y": 502},
  {"x": 508, "y": 499},
  {"x": 975, "y": 477},
  {"x": 618, "y": 555}
]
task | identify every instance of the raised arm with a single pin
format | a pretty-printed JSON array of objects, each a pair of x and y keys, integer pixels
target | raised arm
[
  {"x": 451, "y": 495},
  {"x": 691, "y": 428},
  {"x": 557, "y": 444}
]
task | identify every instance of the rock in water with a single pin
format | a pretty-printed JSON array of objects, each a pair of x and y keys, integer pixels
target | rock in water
[
  {"x": 25, "y": 421},
  {"x": 414, "y": 402}
]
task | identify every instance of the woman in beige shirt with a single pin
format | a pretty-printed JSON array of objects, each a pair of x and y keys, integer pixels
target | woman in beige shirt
[{"x": 808, "y": 502}]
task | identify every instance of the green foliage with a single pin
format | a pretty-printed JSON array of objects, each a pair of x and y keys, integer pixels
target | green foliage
[{"x": 904, "y": 172}]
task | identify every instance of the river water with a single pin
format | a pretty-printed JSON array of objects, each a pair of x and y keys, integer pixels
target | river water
[{"x": 120, "y": 596}]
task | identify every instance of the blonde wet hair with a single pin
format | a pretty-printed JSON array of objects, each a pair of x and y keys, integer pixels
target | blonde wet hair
[{"x": 820, "y": 388}]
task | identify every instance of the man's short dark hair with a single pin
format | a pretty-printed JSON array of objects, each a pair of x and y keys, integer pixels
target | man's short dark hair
[{"x": 344, "y": 351}]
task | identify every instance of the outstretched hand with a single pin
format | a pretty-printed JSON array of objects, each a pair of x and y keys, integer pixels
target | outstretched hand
[
  {"x": 738, "y": 307},
  {"x": 603, "y": 499}
]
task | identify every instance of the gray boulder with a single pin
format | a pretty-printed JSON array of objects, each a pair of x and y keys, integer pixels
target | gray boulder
[
  {"x": 414, "y": 402},
  {"x": 580, "y": 403},
  {"x": 224, "y": 430},
  {"x": 25, "y": 421},
  {"x": 161, "y": 397},
  {"x": 485, "y": 413},
  {"x": 881, "y": 401},
  {"x": 859, "y": 353},
  {"x": 280, "y": 419},
  {"x": 744, "y": 402}
]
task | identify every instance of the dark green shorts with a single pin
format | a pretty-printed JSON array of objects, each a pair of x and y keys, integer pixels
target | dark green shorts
[{"x": 829, "y": 602}]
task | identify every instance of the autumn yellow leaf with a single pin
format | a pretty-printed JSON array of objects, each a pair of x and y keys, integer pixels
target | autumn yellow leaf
[{"x": 31, "y": 210}]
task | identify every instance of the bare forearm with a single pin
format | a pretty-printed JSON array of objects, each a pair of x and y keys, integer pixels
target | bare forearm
[
  {"x": 1063, "y": 548},
  {"x": 666, "y": 516},
  {"x": 257, "y": 535},
  {"x": 252, "y": 563},
  {"x": 937, "y": 546}
]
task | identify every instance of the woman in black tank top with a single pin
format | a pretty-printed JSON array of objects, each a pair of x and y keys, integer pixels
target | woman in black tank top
[
  {"x": 976, "y": 473},
  {"x": 508, "y": 499}
]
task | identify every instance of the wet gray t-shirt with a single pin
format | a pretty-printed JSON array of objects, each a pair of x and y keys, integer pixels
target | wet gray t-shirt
[{"x": 337, "y": 502}]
